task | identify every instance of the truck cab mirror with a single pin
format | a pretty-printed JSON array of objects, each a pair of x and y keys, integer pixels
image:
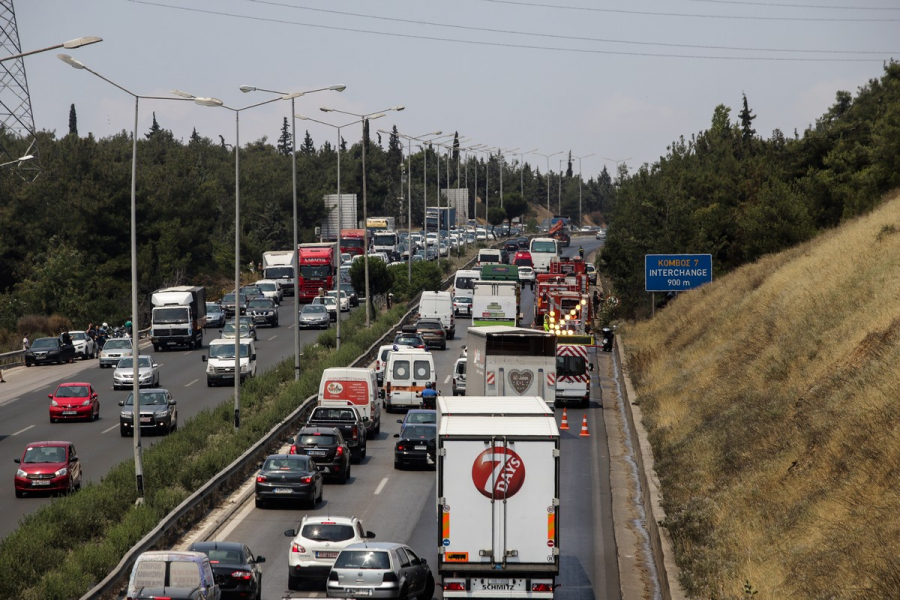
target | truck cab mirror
[{"x": 381, "y": 394}]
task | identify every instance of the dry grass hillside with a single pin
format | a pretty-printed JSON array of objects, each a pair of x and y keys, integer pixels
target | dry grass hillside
[{"x": 772, "y": 397}]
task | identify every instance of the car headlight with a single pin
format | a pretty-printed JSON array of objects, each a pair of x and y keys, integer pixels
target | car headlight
[
  {"x": 86, "y": 403},
  {"x": 245, "y": 368},
  {"x": 126, "y": 414},
  {"x": 143, "y": 376},
  {"x": 161, "y": 413},
  {"x": 210, "y": 369},
  {"x": 53, "y": 403},
  {"x": 61, "y": 472}
]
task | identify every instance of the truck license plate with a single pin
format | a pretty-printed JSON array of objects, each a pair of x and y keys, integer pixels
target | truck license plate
[{"x": 516, "y": 585}]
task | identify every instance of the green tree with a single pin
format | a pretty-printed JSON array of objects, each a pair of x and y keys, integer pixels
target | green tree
[
  {"x": 308, "y": 148},
  {"x": 496, "y": 215},
  {"x": 154, "y": 128},
  {"x": 73, "y": 121},
  {"x": 747, "y": 117},
  {"x": 195, "y": 137},
  {"x": 514, "y": 205},
  {"x": 285, "y": 141}
]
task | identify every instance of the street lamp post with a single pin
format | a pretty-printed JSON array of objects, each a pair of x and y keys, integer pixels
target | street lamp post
[
  {"x": 547, "y": 156},
  {"x": 364, "y": 119},
  {"x": 237, "y": 244},
  {"x": 339, "y": 203},
  {"x": 503, "y": 164},
  {"x": 70, "y": 45},
  {"x": 559, "y": 187},
  {"x": 580, "y": 216},
  {"x": 135, "y": 390},
  {"x": 292, "y": 96}
]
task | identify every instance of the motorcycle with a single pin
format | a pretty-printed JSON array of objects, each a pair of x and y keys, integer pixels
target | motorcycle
[{"x": 609, "y": 338}]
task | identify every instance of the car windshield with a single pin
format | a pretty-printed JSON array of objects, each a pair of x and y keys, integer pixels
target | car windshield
[
  {"x": 229, "y": 328},
  {"x": 327, "y": 532},
  {"x": 464, "y": 300},
  {"x": 77, "y": 335},
  {"x": 229, "y": 298},
  {"x": 430, "y": 325},
  {"x": 114, "y": 345},
  {"x": 267, "y": 287},
  {"x": 465, "y": 283},
  {"x": 213, "y": 308},
  {"x": 260, "y": 303},
  {"x": 143, "y": 362},
  {"x": 336, "y": 414},
  {"x": 570, "y": 366},
  {"x": 71, "y": 391},
  {"x": 45, "y": 343},
  {"x": 227, "y": 351},
  {"x": 315, "y": 309},
  {"x": 280, "y": 272},
  {"x": 45, "y": 454},
  {"x": 231, "y": 556},
  {"x": 422, "y": 417},
  {"x": 408, "y": 340},
  {"x": 546, "y": 247},
  {"x": 316, "y": 440},
  {"x": 315, "y": 272},
  {"x": 149, "y": 399},
  {"x": 419, "y": 432},
  {"x": 170, "y": 315},
  {"x": 362, "y": 559},
  {"x": 289, "y": 463}
]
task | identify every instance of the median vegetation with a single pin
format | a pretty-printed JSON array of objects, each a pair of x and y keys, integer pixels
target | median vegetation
[
  {"x": 771, "y": 400},
  {"x": 63, "y": 549}
]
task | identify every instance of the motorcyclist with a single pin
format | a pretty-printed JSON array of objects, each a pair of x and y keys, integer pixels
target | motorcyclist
[
  {"x": 429, "y": 397},
  {"x": 127, "y": 328}
]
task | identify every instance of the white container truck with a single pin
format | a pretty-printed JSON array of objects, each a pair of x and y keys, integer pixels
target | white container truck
[
  {"x": 179, "y": 316},
  {"x": 498, "y": 475},
  {"x": 281, "y": 266},
  {"x": 495, "y": 303},
  {"x": 511, "y": 361}
]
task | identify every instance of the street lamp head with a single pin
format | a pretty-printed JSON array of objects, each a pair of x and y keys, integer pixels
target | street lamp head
[
  {"x": 77, "y": 64},
  {"x": 326, "y": 109},
  {"x": 248, "y": 88},
  {"x": 208, "y": 101},
  {"x": 399, "y": 108},
  {"x": 373, "y": 117},
  {"x": 82, "y": 41},
  {"x": 338, "y": 88},
  {"x": 182, "y": 94}
]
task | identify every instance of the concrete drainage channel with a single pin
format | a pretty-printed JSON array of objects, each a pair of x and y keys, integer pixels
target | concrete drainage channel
[{"x": 186, "y": 514}]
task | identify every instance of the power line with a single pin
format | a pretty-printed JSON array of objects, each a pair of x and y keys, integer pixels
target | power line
[
  {"x": 782, "y": 5},
  {"x": 498, "y": 44},
  {"x": 686, "y": 15},
  {"x": 561, "y": 37}
]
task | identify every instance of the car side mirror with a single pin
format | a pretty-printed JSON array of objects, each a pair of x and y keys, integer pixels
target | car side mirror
[
  {"x": 422, "y": 561},
  {"x": 369, "y": 535},
  {"x": 18, "y": 461},
  {"x": 290, "y": 533},
  {"x": 260, "y": 559},
  {"x": 381, "y": 394},
  {"x": 591, "y": 367},
  {"x": 50, "y": 395},
  {"x": 253, "y": 356},
  {"x": 203, "y": 358},
  {"x": 155, "y": 365},
  {"x": 121, "y": 403},
  {"x": 173, "y": 402},
  {"x": 400, "y": 420},
  {"x": 396, "y": 435}
]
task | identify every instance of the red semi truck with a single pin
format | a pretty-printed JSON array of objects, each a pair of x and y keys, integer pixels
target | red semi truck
[{"x": 316, "y": 268}]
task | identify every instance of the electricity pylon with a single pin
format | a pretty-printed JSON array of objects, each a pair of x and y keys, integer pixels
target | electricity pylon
[{"x": 16, "y": 116}]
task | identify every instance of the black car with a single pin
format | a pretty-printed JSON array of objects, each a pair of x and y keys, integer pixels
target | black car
[
  {"x": 289, "y": 477},
  {"x": 415, "y": 446},
  {"x": 511, "y": 247},
  {"x": 432, "y": 331},
  {"x": 327, "y": 447},
  {"x": 252, "y": 291},
  {"x": 351, "y": 293},
  {"x": 158, "y": 412},
  {"x": 49, "y": 350},
  {"x": 228, "y": 304},
  {"x": 263, "y": 311},
  {"x": 522, "y": 242},
  {"x": 235, "y": 568}
]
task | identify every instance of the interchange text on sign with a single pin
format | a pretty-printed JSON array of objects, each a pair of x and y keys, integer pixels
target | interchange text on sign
[{"x": 676, "y": 272}]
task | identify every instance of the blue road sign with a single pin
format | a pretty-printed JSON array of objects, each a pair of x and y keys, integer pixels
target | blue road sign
[{"x": 676, "y": 272}]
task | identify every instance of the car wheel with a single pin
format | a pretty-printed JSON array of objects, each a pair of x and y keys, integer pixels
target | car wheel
[
  {"x": 428, "y": 592},
  {"x": 404, "y": 594},
  {"x": 321, "y": 494},
  {"x": 294, "y": 582},
  {"x": 123, "y": 431},
  {"x": 344, "y": 477},
  {"x": 97, "y": 413},
  {"x": 365, "y": 450},
  {"x": 355, "y": 457},
  {"x": 52, "y": 420},
  {"x": 260, "y": 503},
  {"x": 209, "y": 383},
  {"x": 19, "y": 493},
  {"x": 397, "y": 465},
  {"x": 27, "y": 364}
]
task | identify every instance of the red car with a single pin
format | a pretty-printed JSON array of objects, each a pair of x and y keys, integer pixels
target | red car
[
  {"x": 48, "y": 467},
  {"x": 523, "y": 259},
  {"x": 75, "y": 400}
]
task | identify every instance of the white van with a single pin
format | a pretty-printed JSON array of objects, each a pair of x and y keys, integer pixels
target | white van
[
  {"x": 439, "y": 305},
  {"x": 356, "y": 387},
  {"x": 543, "y": 250},
  {"x": 489, "y": 256},
  {"x": 464, "y": 283},
  {"x": 220, "y": 361},
  {"x": 459, "y": 377},
  {"x": 173, "y": 574},
  {"x": 407, "y": 372}
]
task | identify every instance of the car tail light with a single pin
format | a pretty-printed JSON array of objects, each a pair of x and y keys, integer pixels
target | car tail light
[
  {"x": 245, "y": 575},
  {"x": 355, "y": 431},
  {"x": 387, "y": 388},
  {"x": 293, "y": 449},
  {"x": 307, "y": 479},
  {"x": 295, "y": 547},
  {"x": 339, "y": 451},
  {"x": 260, "y": 478},
  {"x": 401, "y": 447},
  {"x": 389, "y": 577}
]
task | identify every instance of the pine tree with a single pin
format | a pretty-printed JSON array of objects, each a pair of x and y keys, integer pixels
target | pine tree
[
  {"x": 747, "y": 116},
  {"x": 366, "y": 134},
  {"x": 195, "y": 137},
  {"x": 569, "y": 170},
  {"x": 285, "y": 141},
  {"x": 343, "y": 144},
  {"x": 73, "y": 121},
  {"x": 308, "y": 148},
  {"x": 154, "y": 128},
  {"x": 455, "y": 146}
]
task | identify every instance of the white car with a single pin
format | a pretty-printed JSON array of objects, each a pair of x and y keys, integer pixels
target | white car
[
  {"x": 85, "y": 347},
  {"x": 526, "y": 275},
  {"x": 330, "y": 303},
  {"x": 148, "y": 373},
  {"x": 270, "y": 289},
  {"x": 114, "y": 350},
  {"x": 345, "y": 300},
  {"x": 317, "y": 544}
]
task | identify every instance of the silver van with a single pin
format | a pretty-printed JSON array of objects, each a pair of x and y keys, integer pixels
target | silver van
[{"x": 172, "y": 574}]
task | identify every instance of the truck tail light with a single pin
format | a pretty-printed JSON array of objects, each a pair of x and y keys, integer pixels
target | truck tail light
[
  {"x": 454, "y": 586},
  {"x": 355, "y": 432},
  {"x": 541, "y": 587},
  {"x": 339, "y": 452},
  {"x": 387, "y": 388}
]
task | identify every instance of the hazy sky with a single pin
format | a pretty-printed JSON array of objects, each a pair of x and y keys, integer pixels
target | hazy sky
[{"x": 619, "y": 79}]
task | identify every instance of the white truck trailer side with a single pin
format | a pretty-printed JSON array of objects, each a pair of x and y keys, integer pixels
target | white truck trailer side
[
  {"x": 511, "y": 361},
  {"x": 281, "y": 266}
]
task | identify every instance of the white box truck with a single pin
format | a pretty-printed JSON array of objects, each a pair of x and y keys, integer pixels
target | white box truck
[
  {"x": 178, "y": 318},
  {"x": 498, "y": 500},
  {"x": 495, "y": 303},
  {"x": 281, "y": 266},
  {"x": 511, "y": 361}
]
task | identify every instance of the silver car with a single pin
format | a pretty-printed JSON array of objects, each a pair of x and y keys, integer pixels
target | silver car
[
  {"x": 114, "y": 350},
  {"x": 314, "y": 315},
  {"x": 228, "y": 331},
  {"x": 148, "y": 373},
  {"x": 379, "y": 570}
]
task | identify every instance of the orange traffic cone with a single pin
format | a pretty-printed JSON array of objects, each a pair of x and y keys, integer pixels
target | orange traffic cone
[
  {"x": 565, "y": 420},
  {"x": 584, "y": 429}
]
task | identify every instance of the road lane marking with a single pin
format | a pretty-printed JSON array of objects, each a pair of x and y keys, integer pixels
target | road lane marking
[
  {"x": 109, "y": 429},
  {"x": 271, "y": 338},
  {"x": 448, "y": 379},
  {"x": 22, "y": 430},
  {"x": 381, "y": 486},
  {"x": 235, "y": 521},
  {"x": 191, "y": 383}
]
